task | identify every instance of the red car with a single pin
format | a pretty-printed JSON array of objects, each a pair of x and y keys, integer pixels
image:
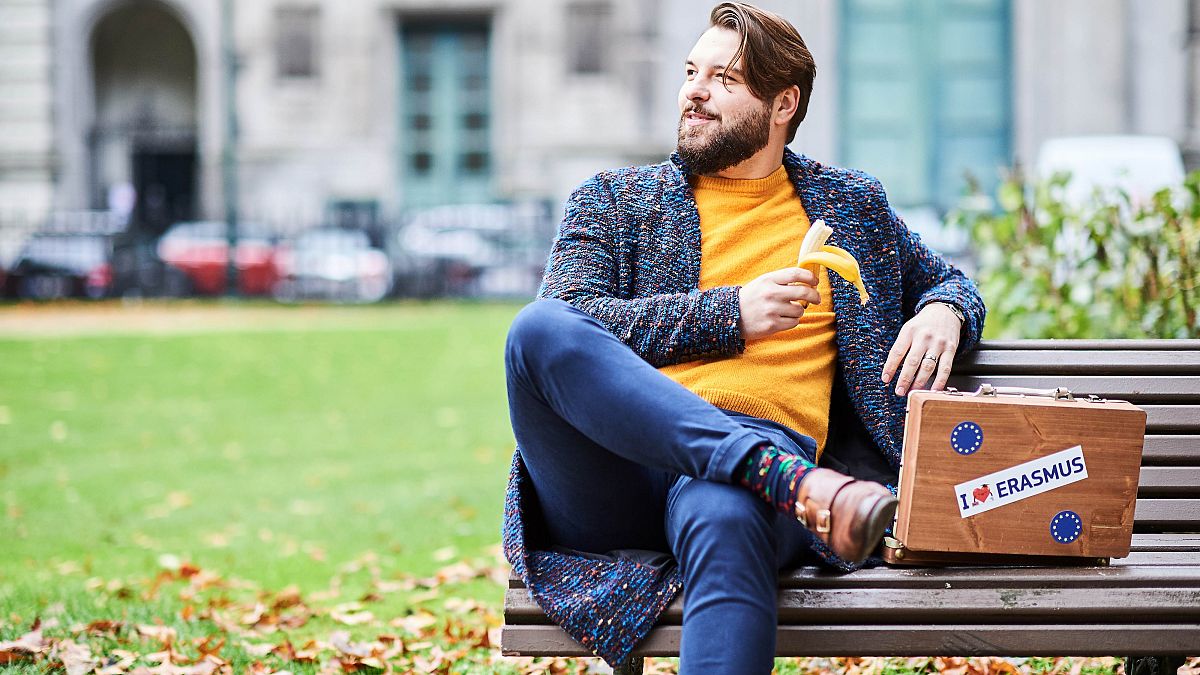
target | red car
[{"x": 201, "y": 250}]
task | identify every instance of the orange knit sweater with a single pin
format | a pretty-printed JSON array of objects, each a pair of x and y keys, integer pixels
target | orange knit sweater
[{"x": 749, "y": 228}]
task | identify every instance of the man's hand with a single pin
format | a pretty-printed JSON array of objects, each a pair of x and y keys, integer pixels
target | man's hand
[
  {"x": 769, "y": 304},
  {"x": 929, "y": 340}
]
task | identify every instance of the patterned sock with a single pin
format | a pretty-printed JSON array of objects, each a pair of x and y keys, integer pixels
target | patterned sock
[{"x": 775, "y": 476}]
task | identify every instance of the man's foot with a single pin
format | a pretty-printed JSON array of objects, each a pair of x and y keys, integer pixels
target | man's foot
[{"x": 849, "y": 515}]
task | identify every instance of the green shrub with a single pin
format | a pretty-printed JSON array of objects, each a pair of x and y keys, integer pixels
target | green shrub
[{"x": 1112, "y": 267}]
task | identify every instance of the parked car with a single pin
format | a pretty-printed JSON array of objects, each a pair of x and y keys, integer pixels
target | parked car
[
  {"x": 1140, "y": 165},
  {"x": 61, "y": 265},
  {"x": 139, "y": 272},
  {"x": 332, "y": 264},
  {"x": 491, "y": 250},
  {"x": 200, "y": 250}
]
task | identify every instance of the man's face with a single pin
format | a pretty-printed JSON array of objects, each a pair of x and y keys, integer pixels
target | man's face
[{"x": 720, "y": 124}]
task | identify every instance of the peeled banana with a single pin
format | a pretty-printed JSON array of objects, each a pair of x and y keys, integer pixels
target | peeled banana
[
  {"x": 814, "y": 252},
  {"x": 818, "y": 234}
]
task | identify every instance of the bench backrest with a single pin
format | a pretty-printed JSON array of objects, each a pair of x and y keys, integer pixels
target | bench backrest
[{"x": 1160, "y": 376}]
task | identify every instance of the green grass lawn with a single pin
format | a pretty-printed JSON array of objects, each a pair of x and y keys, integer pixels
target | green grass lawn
[
  {"x": 310, "y": 489},
  {"x": 314, "y": 456}
]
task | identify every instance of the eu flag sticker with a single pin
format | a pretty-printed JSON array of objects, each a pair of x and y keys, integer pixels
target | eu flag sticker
[
  {"x": 1066, "y": 526},
  {"x": 966, "y": 438}
]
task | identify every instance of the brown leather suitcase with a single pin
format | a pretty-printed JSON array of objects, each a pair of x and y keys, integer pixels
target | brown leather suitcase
[{"x": 1004, "y": 474}]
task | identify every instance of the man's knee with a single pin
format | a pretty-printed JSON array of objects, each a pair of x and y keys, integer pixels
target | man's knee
[{"x": 540, "y": 323}]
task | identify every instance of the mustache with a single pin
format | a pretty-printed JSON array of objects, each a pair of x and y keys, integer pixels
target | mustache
[{"x": 701, "y": 110}]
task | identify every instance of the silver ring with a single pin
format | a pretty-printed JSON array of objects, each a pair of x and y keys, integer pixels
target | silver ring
[{"x": 930, "y": 356}]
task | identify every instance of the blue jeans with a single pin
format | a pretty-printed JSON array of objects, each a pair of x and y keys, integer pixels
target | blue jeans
[{"x": 623, "y": 457}]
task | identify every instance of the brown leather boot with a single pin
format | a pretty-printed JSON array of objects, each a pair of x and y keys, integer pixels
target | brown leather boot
[{"x": 847, "y": 514}]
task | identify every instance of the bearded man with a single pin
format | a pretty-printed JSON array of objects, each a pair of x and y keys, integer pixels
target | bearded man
[{"x": 678, "y": 380}]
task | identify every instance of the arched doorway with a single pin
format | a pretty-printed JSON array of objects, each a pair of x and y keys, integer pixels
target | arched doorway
[{"x": 143, "y": 140}]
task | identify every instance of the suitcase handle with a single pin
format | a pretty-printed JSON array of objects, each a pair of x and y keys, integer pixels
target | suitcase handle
[{"x": 1058, "y": 393}]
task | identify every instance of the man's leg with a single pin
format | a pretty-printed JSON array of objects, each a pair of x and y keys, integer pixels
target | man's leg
[
  {"x": 723, "y": 538},
  {"x": 603, "y": 433},
  {"x": 730, "y": 546}
]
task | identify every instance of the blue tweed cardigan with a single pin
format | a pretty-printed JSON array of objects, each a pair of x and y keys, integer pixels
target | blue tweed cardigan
[{"x": 628, "y": 253}]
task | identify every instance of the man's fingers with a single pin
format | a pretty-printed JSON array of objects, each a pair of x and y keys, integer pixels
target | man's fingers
[
  {"x": 792, "y": 275},
  {"x": 912, "y": 364},
  {"x": 782, "y": 323},
  {"x": 797, "y": 293},
  {"x": 945, "y": 363},
  {"x": 898, "y": 351},
  {"x": 792, "y": 310},
  {"x": 928, "y": 365}
]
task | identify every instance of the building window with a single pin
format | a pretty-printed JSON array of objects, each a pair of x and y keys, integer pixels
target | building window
[
  {"x": 296, "y": 41},
  {"x": 589, "y": 37},
  {"x": 474, "y": 162}
]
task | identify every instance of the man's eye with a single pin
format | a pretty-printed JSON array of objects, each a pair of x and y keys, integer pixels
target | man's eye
[{"x": 690, "y": 72}]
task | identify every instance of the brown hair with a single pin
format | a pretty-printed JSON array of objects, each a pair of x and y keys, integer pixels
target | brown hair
[{"x": 773, "y": 56}]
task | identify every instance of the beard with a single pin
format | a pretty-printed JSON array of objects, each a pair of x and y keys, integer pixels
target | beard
[{"x": 711, "y": 150}]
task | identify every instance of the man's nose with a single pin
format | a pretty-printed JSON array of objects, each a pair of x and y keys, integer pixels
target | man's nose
[{"x": 696, "y": 90}]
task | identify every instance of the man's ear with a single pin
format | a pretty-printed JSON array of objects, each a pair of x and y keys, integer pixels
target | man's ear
[{"x": 786, "y": 103}]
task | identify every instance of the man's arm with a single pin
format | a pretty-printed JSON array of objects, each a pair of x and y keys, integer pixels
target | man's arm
[{"x": 583, "y": 270}]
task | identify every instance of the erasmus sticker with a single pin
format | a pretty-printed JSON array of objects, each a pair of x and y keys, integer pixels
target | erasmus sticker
[{"x": 1020, "y": 482}]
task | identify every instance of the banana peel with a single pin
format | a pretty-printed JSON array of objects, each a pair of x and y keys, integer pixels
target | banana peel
[{"x": 815, "y": 253}]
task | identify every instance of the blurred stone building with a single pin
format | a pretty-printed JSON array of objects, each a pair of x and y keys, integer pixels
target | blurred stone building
[{"x": 381, "y": 106}]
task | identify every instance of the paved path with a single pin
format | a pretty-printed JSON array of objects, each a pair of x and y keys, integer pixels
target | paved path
[{"x": 115, "y": 317}]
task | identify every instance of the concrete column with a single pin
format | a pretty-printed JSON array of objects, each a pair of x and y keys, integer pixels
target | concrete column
[
  {"x": 1072, "y": 66},
  {"x": 26, "y": 131},
  {"x": 26, "y": 121},
  {"x": 1158, "y": 68}
]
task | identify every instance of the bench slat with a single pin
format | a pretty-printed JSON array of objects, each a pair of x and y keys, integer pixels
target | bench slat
[
  {"x": 1181, "y": 419},
  {"x": 1182, "y": 550},
  {"x": 1171, "y": 449},
  {"x": 1151, "y": 568},
  {"x": 1179, "y": 515},
  {"x": 1089, "y": 345},
  {"x": 1136, "y": 389},
  {"x": 1172, "y": 419},
  {"x": 1084, "y": 639},
  {"x": 1038, "y": 362},
  {"x": 1156, "y": 568},
  {"x": 1169, "y": 481},
  {"x": 999, "y": 604},
  {"x": 1167, "y": 542},
  {"x": 1142, "y": 569}
]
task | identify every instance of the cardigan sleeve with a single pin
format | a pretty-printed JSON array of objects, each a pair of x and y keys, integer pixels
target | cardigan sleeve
[
  {"x": 585, "y": 270},
  {"x": 927, "y": 277}
]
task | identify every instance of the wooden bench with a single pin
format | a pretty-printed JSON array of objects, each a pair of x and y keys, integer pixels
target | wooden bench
[{"x": 1145, "y": 607}]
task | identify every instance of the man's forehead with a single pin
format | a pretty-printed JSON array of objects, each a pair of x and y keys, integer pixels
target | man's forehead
[{"x": 715, "y": 48}]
